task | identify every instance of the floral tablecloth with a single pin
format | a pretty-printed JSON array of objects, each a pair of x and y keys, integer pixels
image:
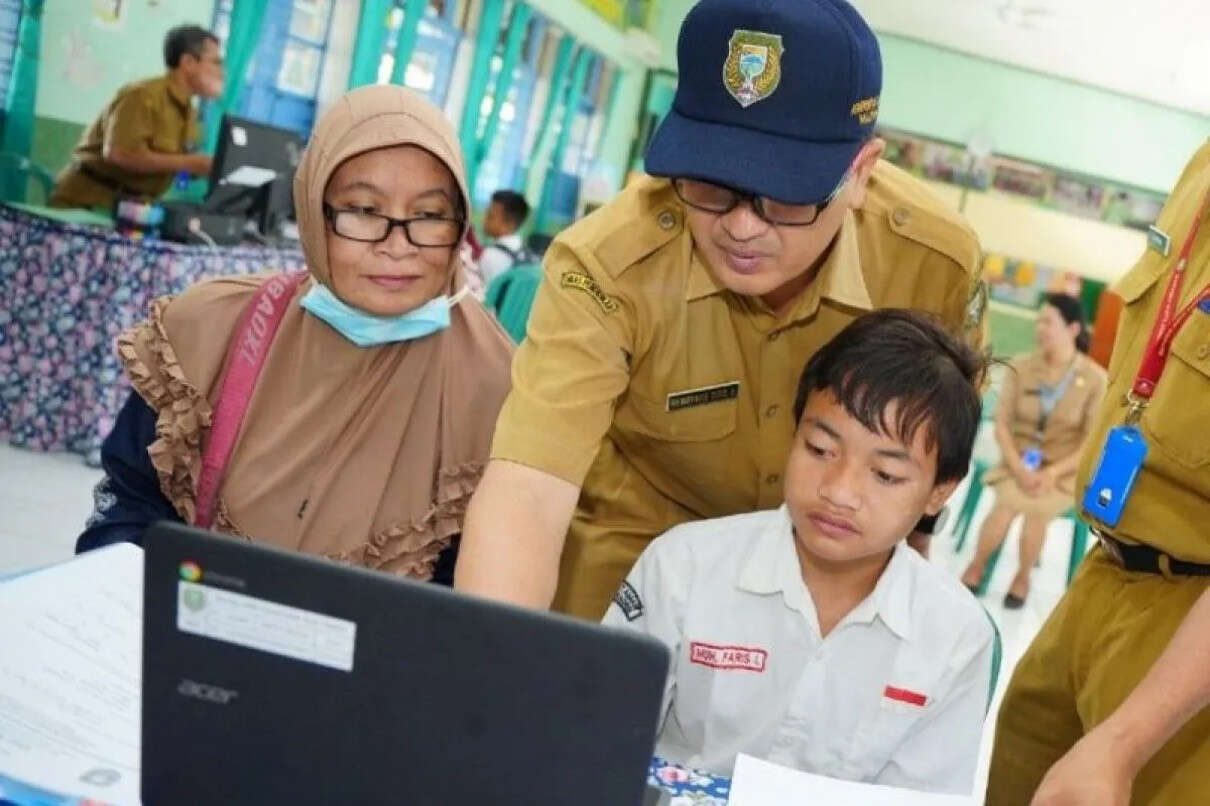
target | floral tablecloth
[
  {"x": 66, "y": 292},
  {"x": 688, "y": 787}
]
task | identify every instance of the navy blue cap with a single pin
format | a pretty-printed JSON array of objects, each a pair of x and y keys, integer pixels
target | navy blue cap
[{"x": 774, "y": 97}]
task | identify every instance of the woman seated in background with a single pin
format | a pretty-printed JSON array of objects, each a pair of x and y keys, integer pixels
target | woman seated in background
[
  {"x": 372, "y": 415},
  {"x": 1042, "y": 421}
]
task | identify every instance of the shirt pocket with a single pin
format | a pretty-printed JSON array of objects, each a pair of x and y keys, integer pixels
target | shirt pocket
[
  {"x": 1177, "y": 415},
  {"x": 705, "y": 423}
]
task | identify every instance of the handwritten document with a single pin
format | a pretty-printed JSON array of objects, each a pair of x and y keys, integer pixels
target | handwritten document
[{"x": 70, "y": 669}]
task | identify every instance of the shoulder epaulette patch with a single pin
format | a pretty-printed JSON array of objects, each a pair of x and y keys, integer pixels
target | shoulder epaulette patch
[{"x": 584, "y": 282}]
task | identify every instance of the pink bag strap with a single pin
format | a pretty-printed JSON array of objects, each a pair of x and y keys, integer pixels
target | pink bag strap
[{"x": 246, "y": 356}]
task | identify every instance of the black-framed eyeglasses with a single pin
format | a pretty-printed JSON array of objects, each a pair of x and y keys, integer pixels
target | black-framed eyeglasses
[
  {"x": 721, "y": 199},
  {"x": 359, "y": 225}
]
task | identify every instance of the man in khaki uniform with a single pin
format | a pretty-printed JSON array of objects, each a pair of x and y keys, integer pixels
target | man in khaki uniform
[
  {"x": 657, "y": 382},
  {"x": 147, "y": 133},
  {"x": 1113, "y": 692}
]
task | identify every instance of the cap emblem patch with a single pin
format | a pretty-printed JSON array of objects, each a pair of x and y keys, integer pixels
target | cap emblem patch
[{"x": 753, "y": 67}]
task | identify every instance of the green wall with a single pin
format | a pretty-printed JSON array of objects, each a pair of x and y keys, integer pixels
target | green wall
[{"x": 952, "y": 96}]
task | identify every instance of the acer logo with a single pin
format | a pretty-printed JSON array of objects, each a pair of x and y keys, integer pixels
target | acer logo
[{"x": 206, "y": 692}]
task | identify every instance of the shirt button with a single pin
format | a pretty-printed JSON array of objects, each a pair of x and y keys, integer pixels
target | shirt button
[
  {"x": 900, "y": 216},
  {"x": 772, "y": 478},
  {"x": 769, "y": 412},
  {"x": 667, "y": 220},
  {"x": 773, "y": 336},
  {"x": 1203, "y": 351}
]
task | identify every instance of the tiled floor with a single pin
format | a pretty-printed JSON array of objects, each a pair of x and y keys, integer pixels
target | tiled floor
[{"x": 45, "y": 499}]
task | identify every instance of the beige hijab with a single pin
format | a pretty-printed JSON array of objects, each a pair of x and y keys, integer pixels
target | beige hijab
[{"x": 367, "y": 455}]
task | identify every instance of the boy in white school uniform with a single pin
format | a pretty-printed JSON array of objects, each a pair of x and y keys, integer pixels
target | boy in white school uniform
[{"x": 812, "y": 635}]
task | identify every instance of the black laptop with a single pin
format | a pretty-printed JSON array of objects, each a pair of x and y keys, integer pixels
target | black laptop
[{"x": 276, "y": 677}]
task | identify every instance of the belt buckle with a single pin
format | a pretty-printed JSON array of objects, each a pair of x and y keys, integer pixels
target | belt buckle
[{"x": 1112, "y": 548}]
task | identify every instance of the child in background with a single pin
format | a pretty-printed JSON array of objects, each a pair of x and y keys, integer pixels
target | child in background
[
  {"x": 502, "y": 222},
  {"x": 812, "y": 635}
]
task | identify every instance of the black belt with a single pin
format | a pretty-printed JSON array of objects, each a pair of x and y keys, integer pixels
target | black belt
[
  {"x": 1147, "y": 560},
  {"x": 110, "y": 183}
]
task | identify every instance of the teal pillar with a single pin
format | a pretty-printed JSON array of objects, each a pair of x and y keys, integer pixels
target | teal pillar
[
  {"x": 559, "y": 76},
  {"x": 247, "y": 19},
  {"x": 570, "y": 105},
  {"x": 610, "y": 107},
  {"x": 504, "y": 81},
  {"x": 19, "y": 106},
  {"x": 367, "y": 47},
  {"x": 406, "y": 42},
  {"x": 481, "y": 71}
]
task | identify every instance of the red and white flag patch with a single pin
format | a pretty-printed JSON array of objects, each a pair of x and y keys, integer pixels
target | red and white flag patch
[
  {"x": 748, "y": 659},
  {"x": 906, "y": 696}
]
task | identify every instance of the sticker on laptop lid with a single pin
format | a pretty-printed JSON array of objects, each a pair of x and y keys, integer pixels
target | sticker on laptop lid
[{"x": 247, "y": 621}]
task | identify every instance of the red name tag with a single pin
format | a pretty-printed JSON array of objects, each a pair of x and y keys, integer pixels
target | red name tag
[
  {"x": 728, "y": 657},
  {"x": 903, "y": 695}
]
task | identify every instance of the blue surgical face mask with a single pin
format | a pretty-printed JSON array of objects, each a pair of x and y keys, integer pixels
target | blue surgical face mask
[{"x": 367, "y": 330}]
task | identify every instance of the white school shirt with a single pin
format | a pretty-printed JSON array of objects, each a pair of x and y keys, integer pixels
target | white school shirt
[
  {"x": 494, "y": 262},
  {"x": 896, "y": 694}
]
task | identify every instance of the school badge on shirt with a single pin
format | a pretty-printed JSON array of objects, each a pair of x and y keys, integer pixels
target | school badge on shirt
[{"x": 753, "y": 67}]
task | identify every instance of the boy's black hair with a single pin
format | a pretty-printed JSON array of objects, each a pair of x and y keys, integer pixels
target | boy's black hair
[
  {"x": 184, "y": 39},
  {"x": 514, "y": 205},
  {"x": 904, "y": 357},
  {"x": 1071, "y": 310}
]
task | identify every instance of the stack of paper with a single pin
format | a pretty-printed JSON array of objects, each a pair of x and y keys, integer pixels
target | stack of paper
[
  {"x": 761, "y": 783},
  {"x": 70, "y": 669}
]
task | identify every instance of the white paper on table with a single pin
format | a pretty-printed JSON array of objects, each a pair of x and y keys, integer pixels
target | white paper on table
[
  {"x": 250, "y": 176},
  {"x": 70, "y": 676},
  {"x": 761, "y": 783}
]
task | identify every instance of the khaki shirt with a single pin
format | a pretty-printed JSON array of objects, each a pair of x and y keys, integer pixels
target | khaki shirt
[
  {"x": 1071, "y": 418},
  {"x": 1170, "y": 505},
  {"x": 148, "y": 115},
  {"x": 668, "y": 398}
]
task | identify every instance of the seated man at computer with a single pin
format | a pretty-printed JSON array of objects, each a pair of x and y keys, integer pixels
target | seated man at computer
[
  {"x": 148, "y": 133},
  {"x": 811, "y": 635}
]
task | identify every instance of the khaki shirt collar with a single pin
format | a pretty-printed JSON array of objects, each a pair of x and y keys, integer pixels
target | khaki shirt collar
[
  {"x": 183, "y": 100},
  {"x": 772, "y": 568},
  {"x": 840, "y": 277}
]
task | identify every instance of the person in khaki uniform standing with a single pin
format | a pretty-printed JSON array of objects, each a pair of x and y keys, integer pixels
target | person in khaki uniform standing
[
  {"x": 147, "y": 133},
  {"x": 656, "y": 384},
  {"x": 1108, "y": 705}
]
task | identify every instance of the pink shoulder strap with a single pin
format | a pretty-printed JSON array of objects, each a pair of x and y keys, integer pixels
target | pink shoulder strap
[{"x": 253, "y": 334}]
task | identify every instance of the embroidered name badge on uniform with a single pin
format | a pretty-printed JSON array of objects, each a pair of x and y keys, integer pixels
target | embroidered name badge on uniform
[
  {"x": 752, "y": 70},
  {"x": 700, "y": 397},
  {"x": 584, "y": 282},
  {"x": 628, "y": 601},
  {"x": 742, "y": 658}
]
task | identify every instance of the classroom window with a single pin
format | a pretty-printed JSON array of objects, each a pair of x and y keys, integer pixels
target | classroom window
[
  {"x": 432, "y": 63},
  {"x": 502, "y": 166},
  {"x": 282, "y": 79}
]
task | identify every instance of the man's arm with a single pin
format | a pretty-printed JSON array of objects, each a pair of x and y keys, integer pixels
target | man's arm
[
  {"x": 1100, "y": 769},
  {"x": 513, "y": 534},
  {"x": 146, "y": 161},
  {"x": 129, "y": 131}
]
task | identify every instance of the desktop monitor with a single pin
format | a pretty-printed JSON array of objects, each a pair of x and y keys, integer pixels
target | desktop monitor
[{"x": 253, "y": 172}]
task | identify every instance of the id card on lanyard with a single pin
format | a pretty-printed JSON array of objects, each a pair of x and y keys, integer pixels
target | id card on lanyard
[{"x": 1125, "y": 447}]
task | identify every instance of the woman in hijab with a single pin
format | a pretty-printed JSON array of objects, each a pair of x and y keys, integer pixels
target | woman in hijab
[{"x": 371, "y": 418}]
